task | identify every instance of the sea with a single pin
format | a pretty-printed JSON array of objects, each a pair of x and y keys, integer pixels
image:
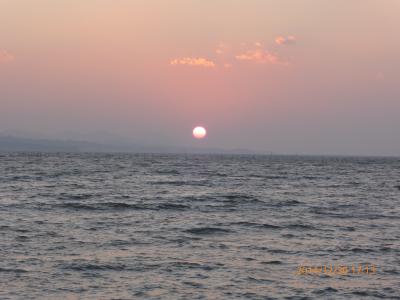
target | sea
[{"x": 188, "y": 226}]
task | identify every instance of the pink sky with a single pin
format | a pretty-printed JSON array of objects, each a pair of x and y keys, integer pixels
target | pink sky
[{"x": 305, "y": 76}]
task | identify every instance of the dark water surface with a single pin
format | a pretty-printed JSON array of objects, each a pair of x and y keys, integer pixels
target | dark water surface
[{"x": 116, "y": 226}]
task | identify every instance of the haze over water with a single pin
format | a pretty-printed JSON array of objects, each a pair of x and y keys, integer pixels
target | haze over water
[
  {"x": 280, "y": 76},
  {"x": 147, "y": 226}
]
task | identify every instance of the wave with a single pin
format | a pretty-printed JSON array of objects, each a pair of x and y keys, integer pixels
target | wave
[
  {"x": 75, "y": 197},
  {"x": 271, "y": 262},
  {"x": 167, "y": 172},
  {"x": 122, "y": 206},
  {"x": 257, "y": 225},
  {"x": 179, "y": 182},
  {"x": 237, "y": 199},
  {"x": 86, "y": 266},
  {"x": 325, "y": 290},
  {"x": 208, "y": 230},
  {"x": 283, "y": 203},
  {"x": 192, "y": 265},
  {"x": 301, "y": 226},
  {"x": 12, "y": 270}
]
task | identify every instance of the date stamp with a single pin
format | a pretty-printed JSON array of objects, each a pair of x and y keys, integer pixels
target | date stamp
[{"x": 354, "y": 269}]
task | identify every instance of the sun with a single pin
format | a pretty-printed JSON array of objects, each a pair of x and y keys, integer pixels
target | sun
[{"x": 199, "y": 132}]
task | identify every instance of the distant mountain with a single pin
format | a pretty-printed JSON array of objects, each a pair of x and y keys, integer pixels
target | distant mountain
[{"x": 9, "y": 143}]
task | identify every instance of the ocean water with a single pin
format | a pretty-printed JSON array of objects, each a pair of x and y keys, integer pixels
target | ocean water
[{"x": 147, "y": 226}]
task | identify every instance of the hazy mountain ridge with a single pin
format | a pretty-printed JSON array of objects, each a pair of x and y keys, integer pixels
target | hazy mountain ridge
[{"x": 10, "y": 143}]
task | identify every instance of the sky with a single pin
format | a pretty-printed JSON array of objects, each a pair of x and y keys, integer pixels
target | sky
[{"x": 281, "y": 76}]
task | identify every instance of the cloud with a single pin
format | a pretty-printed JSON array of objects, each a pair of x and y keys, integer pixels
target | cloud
[
  {"x": 6, "y": 57},
  {"x": 221, "y": 49},
  {"x": 226, "y": 56},
  {"x": 289, "y": 40},
  {"x": 259, "y": 56},
  {"x": 193, "y": 61}
]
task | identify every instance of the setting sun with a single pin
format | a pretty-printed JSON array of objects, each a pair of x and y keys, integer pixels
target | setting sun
[
  {"x": 183, "y": 149},
  {"x": 199, "y": 132}
]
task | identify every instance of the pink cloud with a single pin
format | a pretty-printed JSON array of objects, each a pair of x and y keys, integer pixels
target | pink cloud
[
  {"x": 193, "y": 61},
  {"x": 6, "y": 57},
  {"x": 289, "y": 40},
  {"x": 221, "y": 49},
  {"x": 259, "y": 56}
]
